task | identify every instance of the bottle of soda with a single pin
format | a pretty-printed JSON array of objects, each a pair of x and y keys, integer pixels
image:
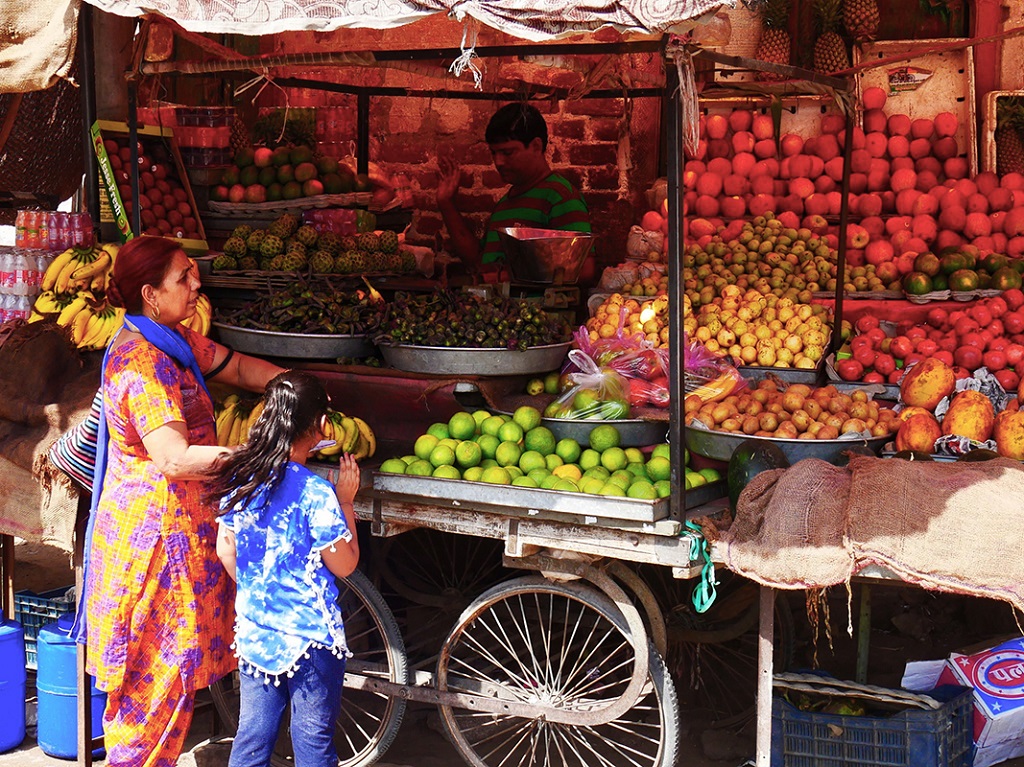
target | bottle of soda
[
  {"x": 44, "y": 229},
  {"x": 31, "y": 229},
  {"x": 52, "y": 232},
  {"x": 19, "y": 229}
]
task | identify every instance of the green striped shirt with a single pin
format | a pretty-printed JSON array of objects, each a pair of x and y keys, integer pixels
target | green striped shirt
[{"x": 551, "y": 204}]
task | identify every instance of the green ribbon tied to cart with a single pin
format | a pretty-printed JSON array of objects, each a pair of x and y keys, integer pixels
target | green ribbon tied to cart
[{"x": 704, "y": 592}]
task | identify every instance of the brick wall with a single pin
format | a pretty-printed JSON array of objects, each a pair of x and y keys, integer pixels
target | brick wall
[{"x": 610, "y": 159}]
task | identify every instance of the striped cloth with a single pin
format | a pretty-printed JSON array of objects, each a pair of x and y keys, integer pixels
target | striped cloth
[
  {"x": 74, "y": 452},
  {"x": 553, "y": 204}
]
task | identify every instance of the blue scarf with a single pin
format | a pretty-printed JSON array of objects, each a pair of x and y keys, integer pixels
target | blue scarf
[{"x": 175, "y": 347}]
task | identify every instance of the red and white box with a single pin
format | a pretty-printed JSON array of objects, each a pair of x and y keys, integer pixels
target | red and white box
[{"x": 997, "y": 678}]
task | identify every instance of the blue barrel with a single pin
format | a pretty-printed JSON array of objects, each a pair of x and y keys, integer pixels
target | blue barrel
[
  {"x": 12, "y": 685},
  {"x": 57, "y": 689}
]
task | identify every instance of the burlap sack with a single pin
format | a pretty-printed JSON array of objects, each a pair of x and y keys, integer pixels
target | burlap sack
[
  {"x": 954, "y": 527},
  {"x": 45, "y": 388},
  {"x": 790, "y": 527},
  {"x": 40, "y": 37}
]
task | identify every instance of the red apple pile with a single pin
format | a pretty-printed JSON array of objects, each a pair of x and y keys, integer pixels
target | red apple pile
[
  {"x": 739, "y": 169},
  {"x": 164, "y": 207},
  {"x": 986, "y": 333}
]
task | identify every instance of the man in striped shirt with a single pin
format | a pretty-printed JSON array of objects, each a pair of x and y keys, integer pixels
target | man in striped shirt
[{"x": 538, "y": 197}]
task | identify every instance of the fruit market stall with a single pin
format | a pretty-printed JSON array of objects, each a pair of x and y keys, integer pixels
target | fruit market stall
[{"x": 623, "y": 514}]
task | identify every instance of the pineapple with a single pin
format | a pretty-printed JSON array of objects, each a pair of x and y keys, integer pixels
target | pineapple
[
  {"x": 861, "y": 19},
  {"x": 1009, "y": 136},
  {"x": 829, "y": 49},
  {"x": 774, "y": 45}
]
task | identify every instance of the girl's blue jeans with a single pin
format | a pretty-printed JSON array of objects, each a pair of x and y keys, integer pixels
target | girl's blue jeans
[{"x": 314, "y": 692}]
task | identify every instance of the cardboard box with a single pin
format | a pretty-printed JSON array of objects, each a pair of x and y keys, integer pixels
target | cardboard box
[
  {"x": 997, "y": 677},
  {"x": 924, "y": 85},
  {"x": 165, "y": 178},
  {"x": 989, "y": 155}
]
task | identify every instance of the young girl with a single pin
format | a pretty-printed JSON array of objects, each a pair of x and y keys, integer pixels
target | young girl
[{"x": 284, "y": 534}]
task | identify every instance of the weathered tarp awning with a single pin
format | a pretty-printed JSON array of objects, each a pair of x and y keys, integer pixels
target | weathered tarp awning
[{"x": 534, "y": 20}]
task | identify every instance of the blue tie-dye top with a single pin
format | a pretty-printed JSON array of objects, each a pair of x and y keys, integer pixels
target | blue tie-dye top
[{"x": 286, "y": 598}]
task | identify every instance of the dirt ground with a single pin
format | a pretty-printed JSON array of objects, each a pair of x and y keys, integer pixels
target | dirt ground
[{"x": 906, "y": 624}]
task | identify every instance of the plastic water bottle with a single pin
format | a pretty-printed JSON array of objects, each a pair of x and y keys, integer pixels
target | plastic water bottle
[
  {"x": 6, "y": 271},
  {"x": 43, "y": 261},
  {"x": 22, "y": 273},
  {"x": 22, "y": 307}
]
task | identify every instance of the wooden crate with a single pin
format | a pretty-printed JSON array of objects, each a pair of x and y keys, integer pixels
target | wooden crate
[
  {"x": 114, "y": 211},
  {"x": 948, "y": 87},
  {"x": 801, "y": 114},
  {"x": 988, "y": 127}
]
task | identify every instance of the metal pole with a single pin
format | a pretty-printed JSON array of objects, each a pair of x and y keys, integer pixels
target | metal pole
[
  {"x": 844, "y": 215},
  {"x": 363, "y": 132},
  {"x": 674, "y": 171},
  {"x": 864, "y": 633},
  {"x": 133, "y": 142},
  {"x": 87, "y": 84},
  {"x": 765, "y": 671}
]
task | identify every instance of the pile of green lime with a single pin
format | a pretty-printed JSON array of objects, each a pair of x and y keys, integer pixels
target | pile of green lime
[
  {"x": 696, "y": 477},
  {"x": 517, "y": 450}
]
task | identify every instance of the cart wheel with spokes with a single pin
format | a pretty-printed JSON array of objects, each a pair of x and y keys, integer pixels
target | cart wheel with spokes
[
  {"x": 553, "y": 643},
  {"x": 368, "y": 722},
  {"x": 429, "y": 577},
  {"x": 713, "y": 655}
]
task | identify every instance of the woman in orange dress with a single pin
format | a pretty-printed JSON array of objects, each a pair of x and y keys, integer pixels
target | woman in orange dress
[{"x": 158, "y": 603}]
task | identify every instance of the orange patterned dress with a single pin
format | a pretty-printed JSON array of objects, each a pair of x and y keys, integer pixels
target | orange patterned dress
[{"x": 159, "y": 603}]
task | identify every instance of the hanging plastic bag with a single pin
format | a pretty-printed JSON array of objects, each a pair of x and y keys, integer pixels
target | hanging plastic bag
[
  {"x": 708, "y": 375},
  {"x": 597, "y": 391},
  {"x": 640, "y": 362}
]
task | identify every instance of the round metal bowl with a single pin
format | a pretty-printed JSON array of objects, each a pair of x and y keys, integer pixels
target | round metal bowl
[
  {"x": 298, "y": 345},
  {"x": 721, "y": 444},
  {"x": 445, "y": 360},
  {"x": 634, "y": 432}
]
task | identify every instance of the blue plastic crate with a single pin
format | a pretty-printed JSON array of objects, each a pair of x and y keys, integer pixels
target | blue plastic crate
[
  {"x": 913, "y": 737},
  {"x": 33, "y": 611}
]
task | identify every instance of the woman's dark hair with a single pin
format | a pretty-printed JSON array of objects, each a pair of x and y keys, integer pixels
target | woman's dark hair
[
  {"x": 140, "y": 261},
  {"x": 294, "y": 403},
  {"x": 517, "y": 122}
]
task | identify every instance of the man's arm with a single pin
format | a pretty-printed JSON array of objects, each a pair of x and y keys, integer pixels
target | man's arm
[{"x": 464, "y": 241}]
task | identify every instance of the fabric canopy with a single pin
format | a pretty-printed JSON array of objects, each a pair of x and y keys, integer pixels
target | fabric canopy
[{"x": 534, "y": 20}]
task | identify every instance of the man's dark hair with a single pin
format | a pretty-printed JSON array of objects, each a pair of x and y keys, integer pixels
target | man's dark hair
[{"x": 517, "y": 122}]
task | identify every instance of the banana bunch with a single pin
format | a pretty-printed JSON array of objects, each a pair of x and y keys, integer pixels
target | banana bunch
[
  {"x": 350, "y": 434},
  {"x": 78, "y": 269},
  {"x": 202, "y": 320},
  {"x": 91, "y": 322},
  {"x": 234, "y": 419}
]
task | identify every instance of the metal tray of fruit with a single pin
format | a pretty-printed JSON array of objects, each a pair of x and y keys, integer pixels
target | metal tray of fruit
[
  {"x": 298, "y": 345},
  {"x": 789, "y": 375},
  {"x": 634, "y": 432},
  {"x": 445, "y": 360},
  {"x": 524, "y": 501},
  {"x": 721, "y": 444}
]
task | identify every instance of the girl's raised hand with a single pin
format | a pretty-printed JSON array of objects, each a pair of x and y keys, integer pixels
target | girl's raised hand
[{"x": 347, "y": 484}]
